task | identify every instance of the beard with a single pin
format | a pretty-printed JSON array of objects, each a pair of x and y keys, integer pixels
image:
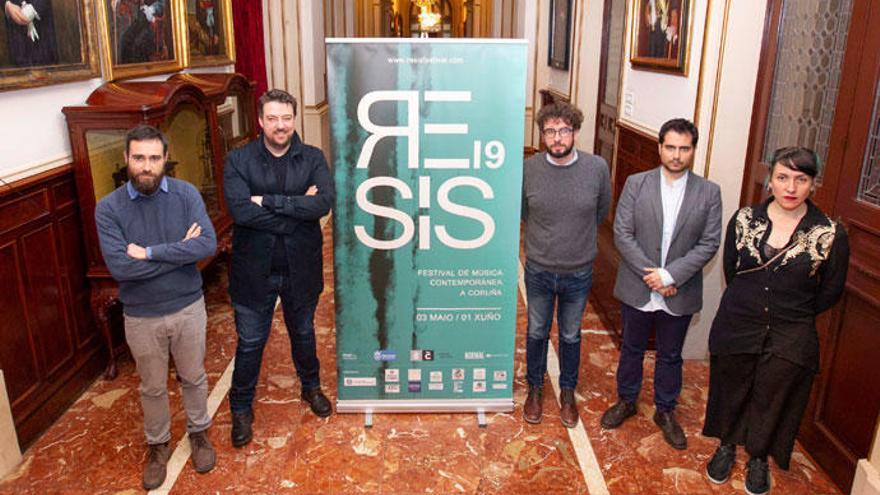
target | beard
[
  {"x": 147, "y": 184},
  {"x": 279, "y": 140},
  {"x": 675, "y": 166},
  {"x": 560, "y": 154}
]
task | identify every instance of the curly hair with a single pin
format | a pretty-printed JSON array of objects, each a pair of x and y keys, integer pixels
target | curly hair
[{"x": 565, "y": 112}]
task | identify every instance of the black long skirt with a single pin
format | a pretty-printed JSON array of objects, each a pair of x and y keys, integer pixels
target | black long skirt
[{"x": 757, "y": 400}]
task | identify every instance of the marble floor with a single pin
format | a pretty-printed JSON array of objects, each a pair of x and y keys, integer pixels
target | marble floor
[{"x": 97, "y": 445}]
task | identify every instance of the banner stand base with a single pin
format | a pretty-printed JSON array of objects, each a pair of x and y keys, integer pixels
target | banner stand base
[
  {"x": 481, "y": 418},
  {"x": 371, "y": 407}
]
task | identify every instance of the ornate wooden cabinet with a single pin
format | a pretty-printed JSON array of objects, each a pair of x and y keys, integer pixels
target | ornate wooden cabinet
[{"x": 203, "y": 115}]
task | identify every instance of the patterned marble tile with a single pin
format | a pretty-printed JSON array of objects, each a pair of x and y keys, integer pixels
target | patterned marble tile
[{"x": 97, "y": 446}]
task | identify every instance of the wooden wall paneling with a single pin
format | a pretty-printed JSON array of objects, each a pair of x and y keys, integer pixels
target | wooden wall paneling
[
  {"x": 17, "y": 350},
  {"x": 48, "y": 349},
  {"x": 23, "y": 209},
  {"x": 45, "y": 305},
  {"x": 636, "y": 152},
  {"x": 74, "y": 276}
]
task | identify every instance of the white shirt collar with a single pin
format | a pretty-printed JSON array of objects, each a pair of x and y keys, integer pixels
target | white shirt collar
[{"x": 574, "y": 158}]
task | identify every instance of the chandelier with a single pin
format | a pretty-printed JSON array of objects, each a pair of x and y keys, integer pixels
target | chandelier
[{"x": 429, "y": 20}]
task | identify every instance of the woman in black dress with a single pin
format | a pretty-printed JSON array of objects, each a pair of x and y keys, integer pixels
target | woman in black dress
[{"x": 785, "y": 262}]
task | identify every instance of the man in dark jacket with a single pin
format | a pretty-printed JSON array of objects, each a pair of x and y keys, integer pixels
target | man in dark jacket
[{"x": 277, "y": 188}]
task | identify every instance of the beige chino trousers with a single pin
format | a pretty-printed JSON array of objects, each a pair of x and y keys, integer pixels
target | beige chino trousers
[{"x": 150, "y": 340}]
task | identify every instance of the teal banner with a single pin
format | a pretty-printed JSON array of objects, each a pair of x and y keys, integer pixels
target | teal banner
[{"x": 427, "y": 151}]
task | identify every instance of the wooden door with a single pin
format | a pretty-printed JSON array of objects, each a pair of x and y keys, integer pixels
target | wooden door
[
  {"x": 840, "y": 421},
  {"x": 818, "y": 87},
  {"x": 609, "y": 77}
]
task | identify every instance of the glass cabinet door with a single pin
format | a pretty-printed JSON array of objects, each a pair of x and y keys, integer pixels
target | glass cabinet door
[
  {"x": 106, "y": 153},
  {"x": 235, "y": 127},
  {"x": 190, "y": 158}
]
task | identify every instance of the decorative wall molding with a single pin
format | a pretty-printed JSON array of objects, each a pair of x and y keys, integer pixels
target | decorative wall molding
[{"x": 23, "y": 171}]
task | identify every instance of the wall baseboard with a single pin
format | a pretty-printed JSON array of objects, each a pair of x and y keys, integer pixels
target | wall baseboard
[{"x": 10, "y": 452}]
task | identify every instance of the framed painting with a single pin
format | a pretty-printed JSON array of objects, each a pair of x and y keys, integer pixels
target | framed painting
[
  {"x": 661, "y": 35},
  {"x": 210, "y": 37},
  {"x": 46, "y": 42},
  {"x": 141, "y": 37},
  {"x": 560, "y": 34}
]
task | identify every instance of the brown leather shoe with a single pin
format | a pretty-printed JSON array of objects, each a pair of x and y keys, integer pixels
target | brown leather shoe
[
  {"x": 534, "y": 406},
  {"x": 672, "y": 432},
  {"x": 154, "y": 470},
  {"x": 569, "y": 410},
  {"x": 318, "y": 402},
  {"x": 617, "y": 414},
  {"x": 203, "y": 456}
]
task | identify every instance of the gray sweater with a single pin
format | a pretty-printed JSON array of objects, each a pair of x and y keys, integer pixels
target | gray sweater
[
  {"x": 562, "y": 207},
  {"x": 169, "y": 280}
]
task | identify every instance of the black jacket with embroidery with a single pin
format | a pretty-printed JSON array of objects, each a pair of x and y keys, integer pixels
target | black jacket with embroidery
[{"x": 771, "y": 305}]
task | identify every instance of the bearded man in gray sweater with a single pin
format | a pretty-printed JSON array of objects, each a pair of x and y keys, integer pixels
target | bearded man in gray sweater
[{"x": 566, "y": 194}]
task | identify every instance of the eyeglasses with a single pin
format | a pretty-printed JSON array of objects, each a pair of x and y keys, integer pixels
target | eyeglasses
[{"x": 563, "y": 133}]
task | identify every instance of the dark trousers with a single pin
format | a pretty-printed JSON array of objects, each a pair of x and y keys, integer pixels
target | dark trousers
[
  {"x": 253, "y": 326},
  {"x": 670, "y": 331},
  {"x": 757, "y": 400}
]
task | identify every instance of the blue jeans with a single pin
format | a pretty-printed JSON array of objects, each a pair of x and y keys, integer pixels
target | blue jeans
[
  {"x": 253, "y": 325},
  {"x": 543, "y": 291},
  {"x": 670, "y": 331}
]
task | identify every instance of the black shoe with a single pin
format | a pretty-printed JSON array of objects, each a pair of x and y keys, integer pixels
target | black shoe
[
  {"x": 757, "y": 476},
  {"x": 718, "y": 469},
  {"x": 617, "y": 414},
  {"x": 672, "y": 432},
  {"x": 318, "y": 402},
  {"x": 242, "y": 433}
]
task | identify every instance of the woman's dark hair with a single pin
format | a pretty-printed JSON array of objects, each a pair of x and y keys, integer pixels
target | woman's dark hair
[{"x": 797, "y": 158}]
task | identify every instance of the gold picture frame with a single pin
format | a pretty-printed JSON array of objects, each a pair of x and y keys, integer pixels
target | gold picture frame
[
  {"x": 58, "y": 45},
  {"x": 559, "y": 51},
  {"x": 210, "y": 35},
  {"x": 141, "y": 37},
  {"x": 661, "y": 35}
]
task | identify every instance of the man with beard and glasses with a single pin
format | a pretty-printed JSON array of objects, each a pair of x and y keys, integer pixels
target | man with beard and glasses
[
  {"x": 277, "y": 189},
  {"x": 153, "y": 230},
  {"x": 667, "y": 226},
  {"x": 566, "y": 195}
]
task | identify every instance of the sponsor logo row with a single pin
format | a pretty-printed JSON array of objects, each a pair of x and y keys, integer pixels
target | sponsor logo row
[
  {"x": 435, "y": 380},
  {"x": 421, "y": 355}
]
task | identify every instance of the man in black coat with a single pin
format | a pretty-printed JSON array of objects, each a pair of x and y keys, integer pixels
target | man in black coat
[{"x": 277, "y": 188}]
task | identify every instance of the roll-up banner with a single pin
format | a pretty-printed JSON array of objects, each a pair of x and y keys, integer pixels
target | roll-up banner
[{"x": 427, "y": 154}]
